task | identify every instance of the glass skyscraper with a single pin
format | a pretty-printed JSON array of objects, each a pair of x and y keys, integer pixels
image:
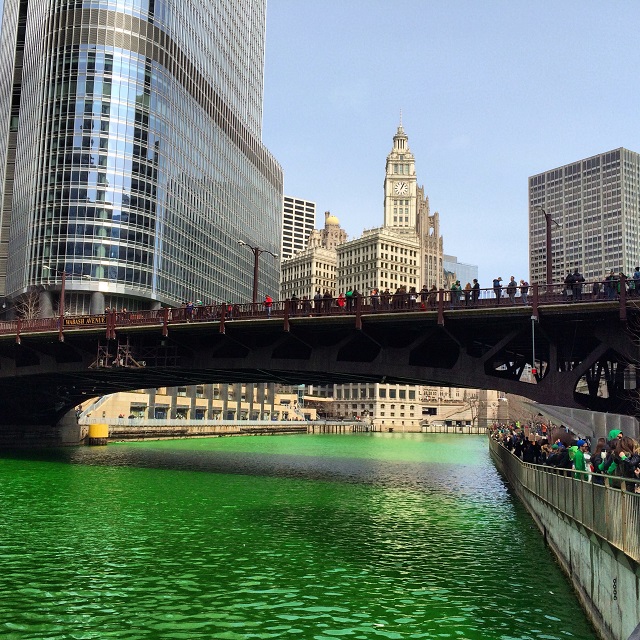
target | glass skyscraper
[{"x": 130, "y": 152}]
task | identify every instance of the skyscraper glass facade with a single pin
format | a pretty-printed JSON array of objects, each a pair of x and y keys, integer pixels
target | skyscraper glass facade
[{"x": 136, "y": 132}]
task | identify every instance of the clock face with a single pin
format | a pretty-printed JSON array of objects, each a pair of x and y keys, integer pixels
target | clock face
[{"x": 401, "y": 188}]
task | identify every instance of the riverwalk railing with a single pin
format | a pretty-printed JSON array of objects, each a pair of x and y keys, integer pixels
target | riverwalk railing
[
  {"x": 610, "y": 510},
  {"x": 439, "y": 302}
]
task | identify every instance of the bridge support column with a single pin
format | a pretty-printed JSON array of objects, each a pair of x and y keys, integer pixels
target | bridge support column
[{"x": 70, "y": 432}]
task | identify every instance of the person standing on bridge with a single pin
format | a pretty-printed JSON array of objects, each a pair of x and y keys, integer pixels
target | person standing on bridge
[
  {"x": 475, "y": 292},
  {"x": 354, "y": 298},
  {"x": 636, "y": 281},
  {"x": 578, "y": 280},
  {"x": 268, "y": 303},
  {"x": 456, "y": 290},
  {"x": 567, "y": 292},
  {"x": 621, "y": 282},
  {"x": 413, "y": 298},
  {"x": 293, "y": 305},
  {"x": 424, "y": 296},
  {"x": 610, "y": 285},
  {"x": 497, "y": 288},
  {"x": 385, "y": 299},
  {"x": 375, "y": 299},
  {"x": 512, "y": 287},
  {"x": 349, "y": 297},
  {"x": 524, "y": 290},
  {"x": 327, "y": 300},
  {"x": 433, "y": 296},
  {"x": 467, "y": 294}
]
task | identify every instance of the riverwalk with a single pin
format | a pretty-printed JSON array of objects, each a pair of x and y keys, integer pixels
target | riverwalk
[{"x": 594, "y": 531}]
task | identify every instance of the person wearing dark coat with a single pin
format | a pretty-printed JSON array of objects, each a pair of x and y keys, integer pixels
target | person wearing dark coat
[
  {"x": 554, "y": 456},
  {"x": 568, "y": 287},
  {"x": 528, "y": 452},
  {"x": 475, "y": 292},
  {"x": 578, "y": 280}
]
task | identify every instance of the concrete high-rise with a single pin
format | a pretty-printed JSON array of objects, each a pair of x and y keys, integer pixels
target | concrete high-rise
[
  {"x": 131, "y": 155},
  {"x": 595, "y": 208},
  {"x": 298, "y": 221}
]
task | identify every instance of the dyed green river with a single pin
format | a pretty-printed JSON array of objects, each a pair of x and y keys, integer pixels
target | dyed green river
[{"x": 363, "y": 536}]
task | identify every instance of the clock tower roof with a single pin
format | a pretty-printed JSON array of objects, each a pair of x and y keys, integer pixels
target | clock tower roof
[{"x": 401, "y": 143}]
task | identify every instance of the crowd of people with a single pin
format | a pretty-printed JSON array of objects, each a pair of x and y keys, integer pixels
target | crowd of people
[
  {"x": 617, "y": 456},
  {"x": 385, "y": 299},
  {"x": 426, "y": 298}
]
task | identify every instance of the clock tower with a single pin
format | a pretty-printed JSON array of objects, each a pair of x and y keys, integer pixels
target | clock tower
[{"x": 400, "y": 185}]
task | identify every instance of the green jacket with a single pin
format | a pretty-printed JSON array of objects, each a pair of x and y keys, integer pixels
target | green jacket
[{"x": 578, "y": 462}]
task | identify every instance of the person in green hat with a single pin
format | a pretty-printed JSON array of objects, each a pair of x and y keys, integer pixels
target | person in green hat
[
  {"x": 554, "y": 456},
  {"x": 612, "y": 442}
]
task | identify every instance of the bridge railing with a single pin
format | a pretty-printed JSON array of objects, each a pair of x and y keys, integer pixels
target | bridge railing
[
  {"x": 611, "y": 510},
  {"x": 439, "y": 301}
]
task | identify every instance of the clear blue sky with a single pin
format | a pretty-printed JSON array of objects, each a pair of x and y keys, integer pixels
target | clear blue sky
[{"x": 491, "y": 92}]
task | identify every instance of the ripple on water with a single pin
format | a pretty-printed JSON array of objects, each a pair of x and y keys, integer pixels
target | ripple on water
[{"x": 311, "y": 537}]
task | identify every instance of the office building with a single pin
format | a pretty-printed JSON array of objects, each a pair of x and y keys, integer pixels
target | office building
[
  {"x": 380, "y": 258},
  {"x": 298, "y": 221},
  {"x": 315, "y": 267},
  {"x": 407, "y": 212},
  {"x": 410, "y": 408},
  {"x": 206, "y": 402},
  {"x": 131, "y": 154},
  {"x": 594, "y": 208},
  {"x": 407, "y": 250}
]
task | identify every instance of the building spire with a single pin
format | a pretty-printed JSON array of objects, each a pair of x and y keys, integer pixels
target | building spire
[{"x": 400, "y": 129}]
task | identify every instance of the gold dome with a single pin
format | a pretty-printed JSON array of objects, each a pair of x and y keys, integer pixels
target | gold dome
[{"x": 331, "y": 220}]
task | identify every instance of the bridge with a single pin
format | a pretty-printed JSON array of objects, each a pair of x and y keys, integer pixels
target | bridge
[{"x": 582, "y": 354}]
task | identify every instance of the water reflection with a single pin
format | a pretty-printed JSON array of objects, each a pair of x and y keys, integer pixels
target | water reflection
[{"x": 272, "y": 538}]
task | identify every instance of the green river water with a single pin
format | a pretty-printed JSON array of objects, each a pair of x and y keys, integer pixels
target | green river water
[{"x": 363, "y": 536}]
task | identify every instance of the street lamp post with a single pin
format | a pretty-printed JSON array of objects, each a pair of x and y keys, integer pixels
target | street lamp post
[
  {"x": 548, "y": 220},
  {"x": 63, "y": 282},
  {"x": 257, "y": 252}
]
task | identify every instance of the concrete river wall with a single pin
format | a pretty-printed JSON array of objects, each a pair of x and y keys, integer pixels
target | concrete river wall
[
  {"x": 144, "y": 429},
  {"x": 594, "y": 531}
]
